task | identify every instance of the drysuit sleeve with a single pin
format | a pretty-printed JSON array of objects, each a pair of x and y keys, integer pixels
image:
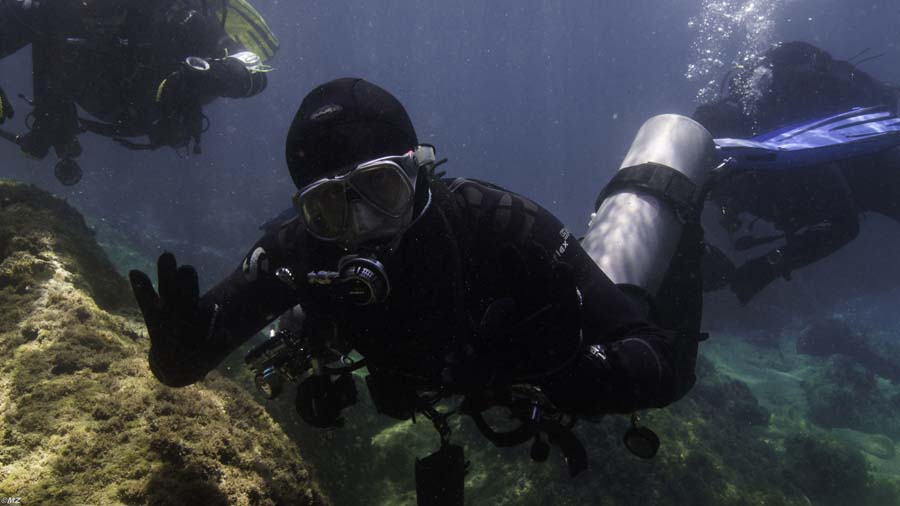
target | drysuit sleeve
[{"x": 626, "y": 362}]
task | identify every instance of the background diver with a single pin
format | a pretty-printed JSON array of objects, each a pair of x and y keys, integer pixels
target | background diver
[
  {"x": 138, "y": 68},
  {"x": 449, "y": 287},
  {"x": 814, "y": 210}
]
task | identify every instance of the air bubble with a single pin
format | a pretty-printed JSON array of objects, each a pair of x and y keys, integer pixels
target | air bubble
[{"x": 722, "y": 23}]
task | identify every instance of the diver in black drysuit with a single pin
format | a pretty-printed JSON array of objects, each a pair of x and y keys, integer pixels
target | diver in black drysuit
[
  {"x": 814, "y": 210},
  {"x": 487, "y": 288},
  {"x": 138, "y": 68}
]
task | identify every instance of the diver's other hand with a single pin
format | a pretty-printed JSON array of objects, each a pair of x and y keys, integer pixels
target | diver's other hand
[
  {"x": 750, "y": 278},
  {"x": 179, "y": 98},
  {"x": 173, "y": 93},
  {"x": 6, "y": 108},
  {"x": 177, "y": 130},
  {"x": 174, "y": 321},
  {"x": 185, "y": 88}
]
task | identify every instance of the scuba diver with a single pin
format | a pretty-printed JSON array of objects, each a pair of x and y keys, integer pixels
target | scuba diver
[
  {"x": 137, "y": 68},
  {"x": 811, "y": 209},
  {"x": 451, "y": 288}
]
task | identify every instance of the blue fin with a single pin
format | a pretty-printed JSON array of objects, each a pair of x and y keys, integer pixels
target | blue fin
[{"x": 858, "y": 132}]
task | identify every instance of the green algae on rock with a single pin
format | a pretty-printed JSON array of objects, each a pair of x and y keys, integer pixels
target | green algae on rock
[
  {"x": 83, "y": 420},
  {"x": 876, "y": 445},
  {"x": 826, "y": 471}
]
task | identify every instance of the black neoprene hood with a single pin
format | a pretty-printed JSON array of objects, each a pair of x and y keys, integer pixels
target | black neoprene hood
[{"x": 343, "y": 122}]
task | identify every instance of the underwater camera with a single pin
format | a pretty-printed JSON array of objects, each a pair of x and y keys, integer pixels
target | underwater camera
[{"x": 324, "y": 383}]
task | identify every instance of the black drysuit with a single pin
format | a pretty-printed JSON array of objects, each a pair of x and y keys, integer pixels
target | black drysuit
[{"x": 475, "y": 247}]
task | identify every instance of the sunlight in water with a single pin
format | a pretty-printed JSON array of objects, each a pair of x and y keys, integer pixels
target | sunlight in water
[{"x": 730, "y": 34}]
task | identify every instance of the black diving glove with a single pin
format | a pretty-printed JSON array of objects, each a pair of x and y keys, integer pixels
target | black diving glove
[
  {"x": 6, "y": 108},
  {"x": 177, "y": 325},
  {"x": 750, "y": 278},
  {"x": 178, "y": 130},
  {"x": 180, "y": 98},
  {"x": 181, "y": 90}
]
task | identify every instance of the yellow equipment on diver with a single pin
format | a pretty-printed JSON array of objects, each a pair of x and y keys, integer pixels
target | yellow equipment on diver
[{"x": 246, "y": 25}]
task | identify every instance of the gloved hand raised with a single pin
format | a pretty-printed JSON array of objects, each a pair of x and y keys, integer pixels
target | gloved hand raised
[
  {"x": 6, "y": 109},
  {"x": 178, "y": 327}
]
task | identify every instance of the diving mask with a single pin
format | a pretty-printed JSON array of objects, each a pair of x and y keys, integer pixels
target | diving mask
[{"x": 371, "y": 201}]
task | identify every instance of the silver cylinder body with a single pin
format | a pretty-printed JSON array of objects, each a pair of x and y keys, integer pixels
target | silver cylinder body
[{"x": 633, "y": 235}]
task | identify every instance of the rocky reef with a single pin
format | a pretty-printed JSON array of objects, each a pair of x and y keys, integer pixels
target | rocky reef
[
  {"x": 82, "y": 420},
  {"x": 831, "y": 474}
]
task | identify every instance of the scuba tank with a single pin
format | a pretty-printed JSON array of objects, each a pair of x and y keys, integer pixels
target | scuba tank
[{"x": 641, "y": 214}]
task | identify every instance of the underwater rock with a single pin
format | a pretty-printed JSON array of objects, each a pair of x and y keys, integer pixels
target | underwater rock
[
  {"x": 844, "y": 394},
  {"x": 828, "y": 337},
  {"x": 82, "y": 420},
  {"x": 728, "y": 397},
  {"x": 833, "y": 336},
  {"x": 828, "y": 472},
  {"x": 877, "y": 445}
]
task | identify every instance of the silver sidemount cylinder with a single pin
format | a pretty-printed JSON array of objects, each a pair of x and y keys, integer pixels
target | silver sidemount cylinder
[{"x": 634, "y": 234}]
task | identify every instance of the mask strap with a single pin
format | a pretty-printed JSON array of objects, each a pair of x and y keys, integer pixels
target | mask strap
[{"x": 422, "y": 193}]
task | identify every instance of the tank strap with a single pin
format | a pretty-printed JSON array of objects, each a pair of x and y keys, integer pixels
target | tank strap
[{"x": 659, "y": 181}]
